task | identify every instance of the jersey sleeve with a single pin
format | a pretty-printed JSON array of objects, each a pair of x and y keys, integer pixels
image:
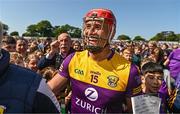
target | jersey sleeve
[
  {"x": 134, "y": 82},
  {"x": 63, "y": 70}
]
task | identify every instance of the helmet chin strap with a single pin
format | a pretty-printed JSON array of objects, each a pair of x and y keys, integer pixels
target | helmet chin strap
[{"x": 95, "y": 49}]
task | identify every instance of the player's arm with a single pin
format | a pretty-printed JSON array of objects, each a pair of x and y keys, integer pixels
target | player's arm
[
  {"x": 59, "y": 81},
  {"x": 133, "y": 87}
]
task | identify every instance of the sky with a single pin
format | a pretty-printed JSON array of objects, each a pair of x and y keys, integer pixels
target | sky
[{"x": 134, "y": 17}]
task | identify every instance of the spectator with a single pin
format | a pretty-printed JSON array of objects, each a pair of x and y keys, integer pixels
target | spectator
[
  {"x": 22, "y": 46},
  {"x": 77, "y": 45},
  {"x": 137, "y": 56},
  {"x": 23, "y": 91},
  {"x": 32, "y": 61},
  {"x": 127, "y": 53},
  {"x": 151, "y": 46},
  {"x": 9, "y": 43},
  {"x": 59, "y": 50},
  {"x": 173, "y": 63},
  {"x": 48, "y": 73},
  {"x": 16, "y": 58},
  {"x": 152, "y": 79}
]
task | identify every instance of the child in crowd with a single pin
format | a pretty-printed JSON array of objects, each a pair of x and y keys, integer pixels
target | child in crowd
[
  {"x": 31, "y": 62},
  {"x": 9, "y": 43},
  {"x": 16, "y": 58},
  {"x": 48, "y": 73},
  {"x": 152, "y": 79},
  {"x": 145, "y": 60},
  {"x": 137, "y": 55},
  {"x": 40, "y": 54},
  {"x": 127, "y": 53},
  {"x": 76, "y": 45}
]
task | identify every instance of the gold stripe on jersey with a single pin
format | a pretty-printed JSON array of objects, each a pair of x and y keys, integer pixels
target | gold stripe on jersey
[{"x": 110, "y": 74}]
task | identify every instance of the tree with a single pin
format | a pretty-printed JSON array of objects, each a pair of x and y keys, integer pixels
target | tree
[
  {"x": 123, "y": 37},
  {"x": 26, "y": 34},
  {"x": 15, "y": 33},
  {"x": 157, "y": 37},
  {"x": 76, "y": 33},
  {"x": 44, "y": 28},
  {"x": 73, "y": 31},
  {"x": 172, "y": 37},
  {"x": 31, "y": 31},
  {"x": 178, "y": 37},
  {"x": 165, "y": 36},
  {"x": 138, "y": 38}
]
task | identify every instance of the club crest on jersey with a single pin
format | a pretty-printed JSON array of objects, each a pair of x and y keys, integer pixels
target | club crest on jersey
[{"x": 112, "y": 81}]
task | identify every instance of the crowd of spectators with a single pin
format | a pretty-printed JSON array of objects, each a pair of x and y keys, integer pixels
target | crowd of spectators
[{"x": 45, "y": 56}]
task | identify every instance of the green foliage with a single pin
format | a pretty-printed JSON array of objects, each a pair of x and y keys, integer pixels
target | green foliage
[
  {"x": 45, "y": 29},
  {"x": 165, "y": 36},
  {"x": 73, "y": 31},
  {"x": 123, "y": 37},
  {"x": 138, "y": 38},
  {"x": 178, "y": 37},
  {"x": 31, "y": 31},
  {"x": 76, "y": 33},
  {"x": 15, "y": 33},
  {"x": 157, "y": 37}
]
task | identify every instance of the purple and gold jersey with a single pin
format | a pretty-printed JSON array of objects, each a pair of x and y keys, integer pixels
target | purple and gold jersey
[{"x": 99, "y": 87}]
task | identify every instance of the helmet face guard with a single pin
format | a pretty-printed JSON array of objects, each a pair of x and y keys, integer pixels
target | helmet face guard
[{"x": 108, "y": 22}]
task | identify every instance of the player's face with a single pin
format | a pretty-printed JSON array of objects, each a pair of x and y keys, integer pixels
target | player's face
[
  {"x": 96, "y": 33},
  {"x": 153, "y": 82}
]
